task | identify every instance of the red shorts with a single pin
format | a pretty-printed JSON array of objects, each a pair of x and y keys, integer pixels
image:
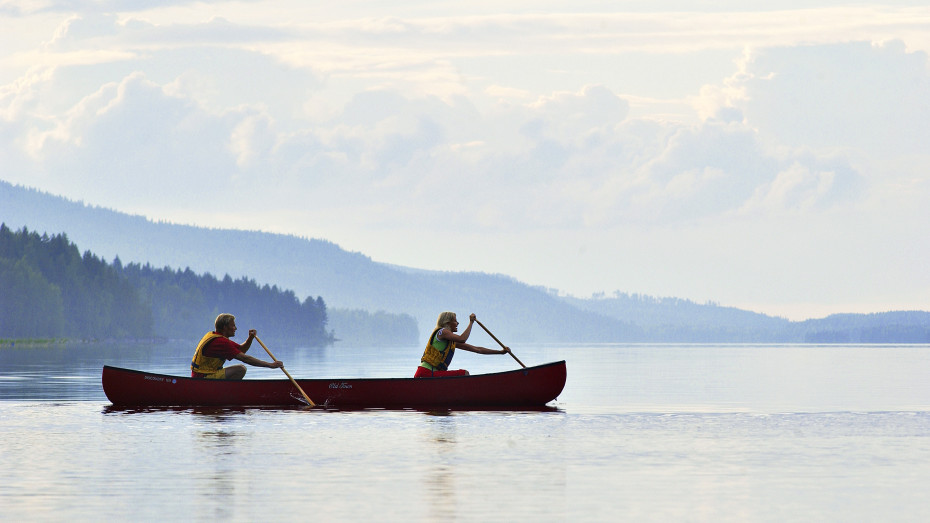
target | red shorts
[{"x": 423, "y": 372}]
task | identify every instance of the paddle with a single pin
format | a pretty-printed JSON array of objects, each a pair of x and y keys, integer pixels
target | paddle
[
  {"x": 499, "y": 343},
  {"x": 304, "y": 394}
]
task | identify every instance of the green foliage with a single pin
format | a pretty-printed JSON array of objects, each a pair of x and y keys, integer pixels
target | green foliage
[
  {"x": 48, "y": 289},
  {"x": 184, "y": 304},
  {"x": 30, "y": 305}
]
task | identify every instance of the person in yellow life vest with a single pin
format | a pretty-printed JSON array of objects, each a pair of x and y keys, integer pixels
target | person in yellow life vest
[
  {"x": 442, "y": 344},
  {"x": 216, "y": 347}
]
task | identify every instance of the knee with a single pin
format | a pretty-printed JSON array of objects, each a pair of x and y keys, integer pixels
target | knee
[{"x": 236, "y": 372}]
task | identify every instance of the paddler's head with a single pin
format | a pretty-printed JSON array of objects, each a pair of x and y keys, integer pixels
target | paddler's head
[
  {"x": 446, "y": 319},
  {"x": 226, "y": 325}
]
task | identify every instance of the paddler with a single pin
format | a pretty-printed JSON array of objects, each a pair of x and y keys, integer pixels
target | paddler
[
  {"x": 442, "y": 344},
  {"x": 216, "y": 347}
]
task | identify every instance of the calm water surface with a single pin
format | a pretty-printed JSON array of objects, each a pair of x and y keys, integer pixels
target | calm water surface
[{"x": 640, "y": 433}]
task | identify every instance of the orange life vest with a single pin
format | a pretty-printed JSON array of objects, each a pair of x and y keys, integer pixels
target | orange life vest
[{"x": 205, "y": 364}]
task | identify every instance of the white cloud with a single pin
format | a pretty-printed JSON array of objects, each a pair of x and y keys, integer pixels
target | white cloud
[
  {"x": 76, "y": 31},
  {"x": 798, "y": 188},
  {"x": 589, "y": 129},
  {"x": 564, "y": 159},
  {"x": 131, "y": 143},
  {"x": 871, "y": 99},
  {"x": 718, "y": 169}
]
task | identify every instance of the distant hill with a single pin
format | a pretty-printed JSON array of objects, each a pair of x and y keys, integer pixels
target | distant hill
[
  {"x": 674, "y": 319},
  {"x": 516, "y": 312},
  {"x": 880, "y": 327},
  {"x": 312, "y": 267}
]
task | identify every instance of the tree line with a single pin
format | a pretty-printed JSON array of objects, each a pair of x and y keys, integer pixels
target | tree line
[{"x": 48, "y": 289}]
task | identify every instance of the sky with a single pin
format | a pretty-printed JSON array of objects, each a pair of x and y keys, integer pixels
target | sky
[{"x": 772, "y": 156}]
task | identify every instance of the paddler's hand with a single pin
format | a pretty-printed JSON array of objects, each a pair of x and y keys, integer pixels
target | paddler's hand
[
  {"x": 252, "y": 334},
  {"x": 505, "y": 350},
  {"x": 276, "y": 364},
  {"x": 472, "y": 318}
]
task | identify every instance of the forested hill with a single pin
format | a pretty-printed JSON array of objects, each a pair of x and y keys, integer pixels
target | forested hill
[
  {"x": 49, "y": 290},
  {"x": 345, "y": 280},
  {"x": 516, "y": 312}
]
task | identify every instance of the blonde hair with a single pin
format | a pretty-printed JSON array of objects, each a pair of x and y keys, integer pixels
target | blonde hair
[
  {"x": 445, "y": 318},
  {"x": 223, "y": 320}
]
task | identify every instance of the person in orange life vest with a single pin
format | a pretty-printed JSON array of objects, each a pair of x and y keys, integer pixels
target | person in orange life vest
[
  {"x": 442, "y": 344},
  {"x": 216, "y": 347}
]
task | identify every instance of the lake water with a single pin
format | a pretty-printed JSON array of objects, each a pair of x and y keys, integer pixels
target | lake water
[{"x": 640, "y": 433}]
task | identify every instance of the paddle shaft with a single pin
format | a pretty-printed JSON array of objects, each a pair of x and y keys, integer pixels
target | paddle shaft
[
  {"x": 499, "y": 343},
  {"x": 304, "y": 394}
]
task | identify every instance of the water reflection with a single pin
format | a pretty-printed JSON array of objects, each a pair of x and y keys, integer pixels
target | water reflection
[
  {"x": 222, "y": 413},
  {"x": 441, "y": 441},
  {"x": 220, "y": 442},
  {"x": 214, "y": 456}
]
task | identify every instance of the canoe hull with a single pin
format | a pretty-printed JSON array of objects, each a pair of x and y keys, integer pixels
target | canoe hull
[{"x": 529, "y": 387}]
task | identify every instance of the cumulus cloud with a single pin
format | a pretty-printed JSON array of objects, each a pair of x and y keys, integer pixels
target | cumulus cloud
[
  {"x": 77, "y": 30},
  {"x": 131, "y": 142},
  {"x": 718, "y": 169},
  {"x": 861, "y": 97},
  {"x": 566, "y": 159}
]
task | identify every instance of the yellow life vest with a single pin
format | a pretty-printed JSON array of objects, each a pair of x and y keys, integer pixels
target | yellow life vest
[
  {"x": 205, "y": 364},
  {"x": 436, "y": 358}
]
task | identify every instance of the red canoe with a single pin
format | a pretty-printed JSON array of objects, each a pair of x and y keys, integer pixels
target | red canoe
[{"x": 529, "y": 387}]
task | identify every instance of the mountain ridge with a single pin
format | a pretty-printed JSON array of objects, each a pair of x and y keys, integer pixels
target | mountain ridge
[{"x": 352, "y": 280}]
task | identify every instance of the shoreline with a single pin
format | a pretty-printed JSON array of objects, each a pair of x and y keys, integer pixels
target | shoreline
[{"x": 48, "y": 342}]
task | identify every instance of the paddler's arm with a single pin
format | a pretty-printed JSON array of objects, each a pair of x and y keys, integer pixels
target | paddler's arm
[
  {"x": 244, "y": 346},
  {"x": 467, "y": 331},
  {"x": 481, "y": 350},
  {"x": 245, "y": 358},
  {"x": 459, "y": 338}
]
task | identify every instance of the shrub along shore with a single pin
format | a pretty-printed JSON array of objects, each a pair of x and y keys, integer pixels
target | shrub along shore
[{"x": 31, "y": 342}]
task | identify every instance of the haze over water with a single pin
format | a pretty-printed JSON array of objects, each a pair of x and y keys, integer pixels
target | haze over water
[{"x": 641, "y": 432}]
